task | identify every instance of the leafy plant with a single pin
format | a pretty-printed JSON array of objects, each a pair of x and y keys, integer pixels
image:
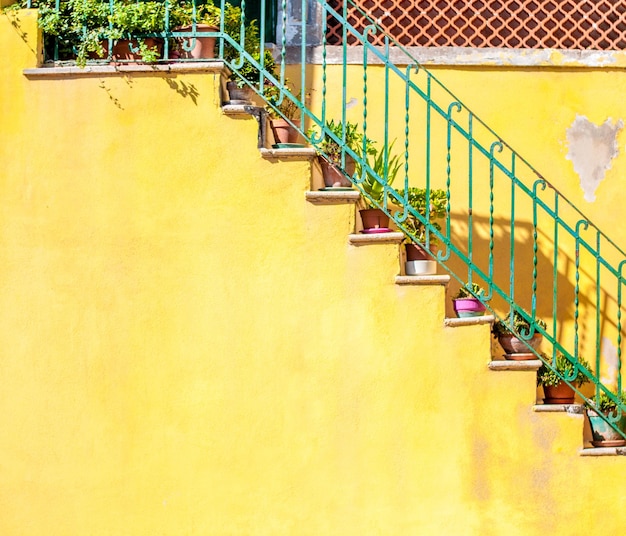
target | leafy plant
[
  {"x": 286, "y": 108},
  {"x": 384, "y": 166},
  {"x": 464, "y": 292},
  {"x": 349, "y": 132},
  {"x": 563, "y": 368},
  {"x": 519, "y": 322},
  {"x": 605, "y": 405},
  {"x": 436, "y": 206}
]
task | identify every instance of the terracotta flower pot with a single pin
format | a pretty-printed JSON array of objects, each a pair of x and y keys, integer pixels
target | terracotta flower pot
[
  {"x": 416, "y": 253},
  {"x": 374, "y": 218},
  {"x": 512, "y": 345},
  {"x": 198, "y": 48},
  {"x": 468, "y": 307},
  {"x": 123, "y": 48},
  {"x": 239, "y": 95},
  {"x": 283, "y": 131},
  {"x": 333, "y": 177},
  {"x": 561, "y": 393}
]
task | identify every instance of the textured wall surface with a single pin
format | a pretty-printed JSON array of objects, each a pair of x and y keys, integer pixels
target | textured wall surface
[{"x": 190, "y": 348}]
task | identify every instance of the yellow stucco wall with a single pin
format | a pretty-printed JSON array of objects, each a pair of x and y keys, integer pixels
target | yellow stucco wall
[{"x": 189, "y": 347}]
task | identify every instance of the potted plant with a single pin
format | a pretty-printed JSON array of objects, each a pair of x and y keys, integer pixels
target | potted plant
[
  {"x": 282, "y": 114},
  {"x": 73, "y": 29},
  {"x": 385, "y": 167},
  {"x": 130, "y": 24},
  {"x": 604, "y": 435},
  {"x": 194, "y": 20},
  {"x": 242, "y": 83},
  {"x": 418, "y": 260},
  {"x": 466, "y": 302},
  {"x": 514, "y": 347},
  {"x": 555, "y": 390},
  {"x": 329, "y": 153}
]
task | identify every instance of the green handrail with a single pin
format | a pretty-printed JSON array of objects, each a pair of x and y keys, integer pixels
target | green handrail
[{"x": 466, "y": 155}]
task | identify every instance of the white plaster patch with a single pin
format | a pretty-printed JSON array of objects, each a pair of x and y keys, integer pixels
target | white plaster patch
[
  {"x": 591, "y": 149},
  {"x": 610, "y": 357}
]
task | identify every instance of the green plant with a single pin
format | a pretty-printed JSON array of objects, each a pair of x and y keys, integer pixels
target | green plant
[
  {"x": 605, "y": 405},
  {"x": 437, "y": 209},
  {"x": 464, "y": 292},
  {"x": 563, "y": 368},
  {"x": 286, "y": 108},
  {"x": 384, "y": 166},
  {"x": 519, "y": 322},
  {"x": 331, "y": 149}
]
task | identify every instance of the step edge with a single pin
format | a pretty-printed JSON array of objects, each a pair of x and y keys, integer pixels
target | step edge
[
  {"x": 470, "y": 321},
  {"x": 292, "y": 153},
  {"x": 519, "y": 366},
  {"x": 382, "y": 238},
  {"x": 422, "y": 279},
  {"x": 572, "y": 409},
  {"x": 331, "y": 198}
]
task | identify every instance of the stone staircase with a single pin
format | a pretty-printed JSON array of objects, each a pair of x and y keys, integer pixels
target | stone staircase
[{"x": 565, "y": 425}]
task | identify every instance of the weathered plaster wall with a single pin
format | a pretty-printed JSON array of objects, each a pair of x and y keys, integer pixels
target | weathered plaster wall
[
  {"x": 189, "y": 347},
  {"x": 592, "y": 149}
]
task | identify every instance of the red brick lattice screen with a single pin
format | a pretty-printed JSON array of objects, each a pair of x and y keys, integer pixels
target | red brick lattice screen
[{"x": 561, "y": 24}]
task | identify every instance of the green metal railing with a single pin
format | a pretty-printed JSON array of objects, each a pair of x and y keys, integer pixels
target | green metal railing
[
  {"x": 531, "y": 249},
  {"x": 534, "y": 252}
]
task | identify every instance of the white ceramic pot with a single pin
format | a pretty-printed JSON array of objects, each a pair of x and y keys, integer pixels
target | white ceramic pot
[{"x": 421, "y": 267}]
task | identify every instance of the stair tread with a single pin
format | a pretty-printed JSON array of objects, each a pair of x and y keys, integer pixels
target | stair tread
[
  {"x": 603, "y": 451},
  {"x": 572, "y": 409},
  {"x": 331, "y": 198},
  {"x": 291, "y": 153},
  {"x": 469, "y": 321},
  {"x": 239, "y": 109},
  {"x": 422, "y": 279},
  {"x": 381, "y": 238},
  {"x": 523, "y": 366}
]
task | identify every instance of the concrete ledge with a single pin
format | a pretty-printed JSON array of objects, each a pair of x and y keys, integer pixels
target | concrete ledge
[
  {"x": 382, "y": 238},
  {"x": 72, "y": 71},
  {"x": 572, "y": 409},
  {"x": 333, "y": 198},
  {"x": 604, "y": 451},
  {"x": 470, "y": 321},
  {"x": 422, "y": 279},
  {"x": 465, "y": 56},
  {"x": 520, "y": 366},
  {"x": 239, "y": 109},
  {"x": 293, "y": 153}
]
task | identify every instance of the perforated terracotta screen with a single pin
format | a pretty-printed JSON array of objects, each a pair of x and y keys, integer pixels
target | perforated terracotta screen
[{"x": 565, "y": 24}]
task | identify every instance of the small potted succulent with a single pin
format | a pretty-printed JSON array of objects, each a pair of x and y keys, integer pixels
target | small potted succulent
[
  {"x": 555, "y": 390},
  {"x": 514, "y": 347},
  {"x": 335, "y": 170},
  {"x": 418, "y": 260},
  {"x": 604, "y": 435},
  {"x": 466, "y": 302},
  {"x": 385, "y": 167},
  {"x": 282, "y": 114}
]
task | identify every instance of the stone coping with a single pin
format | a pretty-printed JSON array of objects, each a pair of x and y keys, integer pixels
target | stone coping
[
  {"x": 521, "y": 366},
  {"x": 291, "y": 153},
  {"x": 603, "y": 451},
  {"x": 463, "y": 56},
  {"x": 381, "y": 238},
  {"x": 469, "y": 321},
  {"x": 333, "y": 198},
  {"x": 72, "y": 71},
  {"x": 422, "y": 279},
  {"x": 572, "y": 409}
]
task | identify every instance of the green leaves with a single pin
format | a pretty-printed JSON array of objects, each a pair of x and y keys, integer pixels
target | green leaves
[{"x": 546, "y": 375}]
